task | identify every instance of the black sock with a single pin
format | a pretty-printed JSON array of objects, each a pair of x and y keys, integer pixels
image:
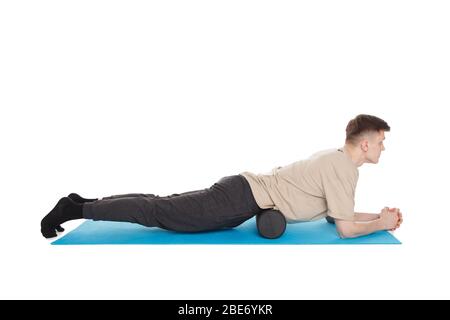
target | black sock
[
  {"x": 66, "y": 209},
  {"x": 77, "y": 198}
]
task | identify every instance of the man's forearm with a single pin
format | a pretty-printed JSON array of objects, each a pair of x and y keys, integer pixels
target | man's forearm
[
  {"x": 362, "y": 228},
  {"x": 360, "y": 216}
]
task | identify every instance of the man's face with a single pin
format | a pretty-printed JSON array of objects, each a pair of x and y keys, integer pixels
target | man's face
[{"x": 375, "y": 146}]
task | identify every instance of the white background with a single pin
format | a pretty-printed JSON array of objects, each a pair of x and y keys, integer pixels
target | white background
[{"x": 109, "y": 97}]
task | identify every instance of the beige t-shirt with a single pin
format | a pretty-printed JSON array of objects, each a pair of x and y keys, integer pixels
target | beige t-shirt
[{"x": 310, "y": 189}]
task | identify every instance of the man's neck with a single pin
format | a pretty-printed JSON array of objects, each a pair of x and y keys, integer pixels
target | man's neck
[{"x": 356, "y": 157}]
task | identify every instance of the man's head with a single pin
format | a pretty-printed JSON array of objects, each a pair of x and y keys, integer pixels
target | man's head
[{"x": 365, "y": 135}]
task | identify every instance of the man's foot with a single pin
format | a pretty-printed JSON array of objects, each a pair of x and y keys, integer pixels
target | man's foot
[
  {"x": 66, "y": 209},
  {"x": 77, "y": 198}
]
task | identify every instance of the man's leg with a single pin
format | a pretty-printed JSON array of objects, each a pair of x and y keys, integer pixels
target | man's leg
[
  {"x": 226, "y": 204},
  {"x": 147, "y": 195}
]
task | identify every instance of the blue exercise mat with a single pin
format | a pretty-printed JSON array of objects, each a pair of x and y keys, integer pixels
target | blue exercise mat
[{"x": 317, "y": 232}]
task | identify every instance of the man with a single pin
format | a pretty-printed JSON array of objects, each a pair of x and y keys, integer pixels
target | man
[{"x": 322, "y": 186}]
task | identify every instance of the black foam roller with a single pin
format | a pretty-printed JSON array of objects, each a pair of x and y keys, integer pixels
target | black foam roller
[
  {"x": 271, "y": 224},
  {"x": 330, "y": 219}
]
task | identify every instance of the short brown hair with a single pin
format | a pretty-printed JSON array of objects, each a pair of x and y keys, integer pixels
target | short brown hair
[{"x": 362, "y": 124}]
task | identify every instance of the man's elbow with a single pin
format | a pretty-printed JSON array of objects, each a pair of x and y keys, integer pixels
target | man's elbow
[
  {"x": 346, "y": 231},
  {"x": 347, "y": 235},
  {"x": 352, "y": 229}
]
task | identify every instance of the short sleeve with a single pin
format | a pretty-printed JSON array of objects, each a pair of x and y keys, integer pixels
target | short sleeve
[{"x": 339, "y": 185}]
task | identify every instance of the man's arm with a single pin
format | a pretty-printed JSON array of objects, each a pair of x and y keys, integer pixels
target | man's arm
[
  {"x": 352, "y": 229},
  {"x": 360, "y": 216}
]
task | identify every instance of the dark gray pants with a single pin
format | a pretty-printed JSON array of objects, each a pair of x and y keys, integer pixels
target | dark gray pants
[{"x": 226, "y": 204}]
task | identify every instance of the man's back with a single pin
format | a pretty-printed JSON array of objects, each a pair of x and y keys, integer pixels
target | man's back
[{"x": 324, "y": 184}]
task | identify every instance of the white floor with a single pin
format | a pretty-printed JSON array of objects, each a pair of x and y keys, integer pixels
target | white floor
[{"x": 33, "y": 269}]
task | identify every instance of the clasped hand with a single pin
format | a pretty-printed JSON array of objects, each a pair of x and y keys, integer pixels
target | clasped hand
[{"x": 392, "y": 218}]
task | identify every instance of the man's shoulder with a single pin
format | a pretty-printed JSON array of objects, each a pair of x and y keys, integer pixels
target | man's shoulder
[
  {"x": 333, "y": 159},
  {"x": 326, "y": 155}
]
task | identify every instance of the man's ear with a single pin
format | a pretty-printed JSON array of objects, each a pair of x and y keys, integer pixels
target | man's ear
[{"x": 364, "y": 144}]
